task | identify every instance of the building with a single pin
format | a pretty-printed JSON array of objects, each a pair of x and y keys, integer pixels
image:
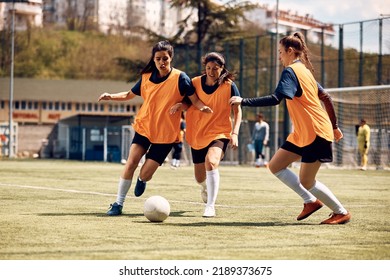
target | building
[
  {"x": 289, "y": 21},
  {"x": 116, "y": 16},
  {"x": 51, "y": 115},
  {"x": 26, "y": 14}
]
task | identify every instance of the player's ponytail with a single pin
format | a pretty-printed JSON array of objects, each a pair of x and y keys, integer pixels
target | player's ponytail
[{"x": 298, "y": 44}]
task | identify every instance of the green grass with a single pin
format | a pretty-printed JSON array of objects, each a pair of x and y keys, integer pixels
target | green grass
[{"x": 55, "y": 210}]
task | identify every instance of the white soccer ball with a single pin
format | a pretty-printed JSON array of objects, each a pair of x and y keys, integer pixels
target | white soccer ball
[{"x": 156, "y": 208}]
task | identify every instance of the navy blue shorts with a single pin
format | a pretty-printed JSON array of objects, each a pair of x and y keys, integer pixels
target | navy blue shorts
[
  {"x": 199, "y": 156},
  {"x": 156, "y": 152},
  {"x": 320, "y": 150}
]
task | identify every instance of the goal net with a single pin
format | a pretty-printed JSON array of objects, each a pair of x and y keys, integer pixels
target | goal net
[{"x": 371, "y": 103}]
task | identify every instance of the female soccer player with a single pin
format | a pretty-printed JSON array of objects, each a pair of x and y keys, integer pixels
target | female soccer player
[
  {"x": 209, "y": 134},
  {"x": 160, "y": 86},
  {"x": 313, "y": 132}
]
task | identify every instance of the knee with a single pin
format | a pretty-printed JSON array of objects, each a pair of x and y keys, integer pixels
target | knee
[
  {"x": 212, "y": 163},
  {"x": 272, "y": 167}
]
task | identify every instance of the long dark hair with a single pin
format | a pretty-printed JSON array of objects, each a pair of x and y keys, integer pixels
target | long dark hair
[
  {"x": 160, "y": 46},
  {"x": 297, "y": 42},
  {"x": 220, "y": 60}
]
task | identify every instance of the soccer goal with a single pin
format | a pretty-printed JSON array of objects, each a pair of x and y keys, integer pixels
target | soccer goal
[{"x": 371, "y": 103}]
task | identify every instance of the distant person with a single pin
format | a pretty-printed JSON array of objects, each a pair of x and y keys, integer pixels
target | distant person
[
  {"x": 178, "y": 145},
  {"x": 363, "y": 139},
  {"x": 156, "y": 129},
  {"x": 209, "y": 135},
  {"x": 313, "y": 133},
  {"x": 3, "y": 143},
  {"x": 260, "y": 137}
]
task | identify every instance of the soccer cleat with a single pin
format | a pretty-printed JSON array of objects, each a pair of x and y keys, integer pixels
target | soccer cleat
[
  {"x": 203, "y": 193},
  {"x": 309, "y": 208},
  {"x": 337, "y": 219},
  {"x": 209, "y": 212},
  {"x": 139, "y": 187},
  {"x": 115, "y": 209}
]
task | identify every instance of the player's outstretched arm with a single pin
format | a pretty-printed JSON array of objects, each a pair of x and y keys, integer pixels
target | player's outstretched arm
[{"x": 120, "y": 96}]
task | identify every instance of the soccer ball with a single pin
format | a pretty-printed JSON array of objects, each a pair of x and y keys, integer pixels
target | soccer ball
[{"x": 156, "y": 208}]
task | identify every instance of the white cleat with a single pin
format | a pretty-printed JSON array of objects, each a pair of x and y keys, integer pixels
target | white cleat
[{"x": 209, "y": 212}]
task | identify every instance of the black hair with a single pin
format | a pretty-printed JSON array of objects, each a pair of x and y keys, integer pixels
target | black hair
[
  {"x": 220, "y": 60},
  {"x": 160, "y": 46}
]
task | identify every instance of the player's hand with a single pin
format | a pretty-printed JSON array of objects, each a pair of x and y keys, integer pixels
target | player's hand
[
  {"x": 175, "y": 108},
  {"x": 338, "y": 135},
  {"x": 233, "y": 141},
  {"x": 105, "y": 96},
  {"x": 235, "y": 100},
  {"x": 206, "y": 109}
]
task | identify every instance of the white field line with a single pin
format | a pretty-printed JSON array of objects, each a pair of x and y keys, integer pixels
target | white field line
[
  {"x": 171, "y": 201},
  {"x": 130, "y": 197}
]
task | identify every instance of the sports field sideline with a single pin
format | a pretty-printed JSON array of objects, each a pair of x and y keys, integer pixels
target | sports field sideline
[{"x": 55, "y": 210}]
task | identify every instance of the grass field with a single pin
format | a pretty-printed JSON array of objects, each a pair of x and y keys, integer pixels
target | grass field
[{"x": 55, "y": 210}]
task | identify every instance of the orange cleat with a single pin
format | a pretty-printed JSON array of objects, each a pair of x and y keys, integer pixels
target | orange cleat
[
  {"x": 337, "y": 219},
  {"x": 309, "y": 208}
]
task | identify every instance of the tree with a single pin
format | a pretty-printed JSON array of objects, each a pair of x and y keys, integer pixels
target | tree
[{"x": 215, "y": 22}]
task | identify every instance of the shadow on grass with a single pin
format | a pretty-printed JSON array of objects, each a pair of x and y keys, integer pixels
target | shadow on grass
[
  {"x": 173, "y": 214},
  {"x": 208, "y": 221},
  {"x": 103, "y": 215},
  {"x": 243, "y": 224}
]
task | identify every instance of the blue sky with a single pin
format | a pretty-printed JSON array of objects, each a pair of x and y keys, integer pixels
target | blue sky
[{"x": 335, "y": 11}]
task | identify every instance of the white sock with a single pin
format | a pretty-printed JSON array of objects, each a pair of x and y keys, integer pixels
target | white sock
[
  {"x": 203, "y": 184},
  {"x": 174, "y": 162},
  {"x": 123, "y": 189},
  {"x": 328, "y": 198},
  {"x": 212, "y": 182},
  {"x": 177, "y": 163},
  {"x": 292, "y": 181}
]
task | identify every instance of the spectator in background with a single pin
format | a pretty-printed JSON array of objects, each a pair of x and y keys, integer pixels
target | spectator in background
[
  {"x": 363, "y": 139},
  {"x": 260, "y": 137}
]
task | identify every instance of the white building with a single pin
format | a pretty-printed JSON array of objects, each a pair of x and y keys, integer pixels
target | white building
[
  {"x": 117, "y": 16},
  {"x": 123, "y": 16},
  {"x": 290, "y": 22},
  {"x": 26, "y": 14}
]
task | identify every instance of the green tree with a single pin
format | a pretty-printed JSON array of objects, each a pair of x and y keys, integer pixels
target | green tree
[{"x": 215, "y": 23}]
